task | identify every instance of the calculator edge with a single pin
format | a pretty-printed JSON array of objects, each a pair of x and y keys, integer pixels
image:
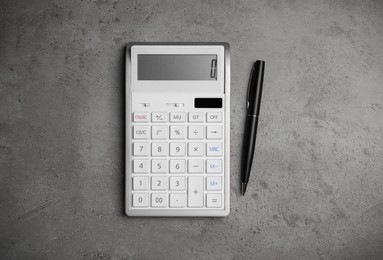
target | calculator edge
[{"x": 177, "y": 212}]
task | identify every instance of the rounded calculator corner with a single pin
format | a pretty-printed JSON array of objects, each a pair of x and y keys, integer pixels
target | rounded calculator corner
[
  {"x": 131, "y": 44},
  {"x": 226, "y": 212},
  {"x": 226, "y": 45},
  {"x": 128, "y": 212}
]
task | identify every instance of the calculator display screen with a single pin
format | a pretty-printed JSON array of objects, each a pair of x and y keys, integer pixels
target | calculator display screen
[{"x": 176, "y": 67}]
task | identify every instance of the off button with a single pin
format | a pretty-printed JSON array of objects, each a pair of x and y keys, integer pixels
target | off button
[{"x": 214, "y": 117}]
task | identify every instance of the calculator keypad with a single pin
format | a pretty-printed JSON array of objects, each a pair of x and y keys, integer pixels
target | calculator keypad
[{"x": 177, "y": 160}]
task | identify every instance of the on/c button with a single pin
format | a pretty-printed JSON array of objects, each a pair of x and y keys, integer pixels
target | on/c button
[{"x": 140, "y": 117}]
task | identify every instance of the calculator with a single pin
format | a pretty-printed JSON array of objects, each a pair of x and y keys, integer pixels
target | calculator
[{"x": 177, "y": 119}]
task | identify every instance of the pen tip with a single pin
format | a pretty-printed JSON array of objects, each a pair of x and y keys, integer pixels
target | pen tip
[{"x": 244, "y": 185}]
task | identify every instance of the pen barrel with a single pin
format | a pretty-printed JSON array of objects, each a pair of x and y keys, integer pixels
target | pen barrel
[
  {"x": 256, "y": 85},
  {"x": 248, "y": 146}
]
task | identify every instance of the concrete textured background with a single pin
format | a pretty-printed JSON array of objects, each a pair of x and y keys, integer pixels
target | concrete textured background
[{"x": 316, "y": 190}]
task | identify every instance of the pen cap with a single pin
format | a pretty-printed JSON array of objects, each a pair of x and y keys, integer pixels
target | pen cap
[{"x": 255, "y": 88}]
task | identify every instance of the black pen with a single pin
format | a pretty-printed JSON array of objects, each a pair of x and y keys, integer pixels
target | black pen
[{"x": 254, "y": 93}]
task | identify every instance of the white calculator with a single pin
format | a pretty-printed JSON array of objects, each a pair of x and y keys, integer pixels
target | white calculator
[{"x": 177, "y": 129}]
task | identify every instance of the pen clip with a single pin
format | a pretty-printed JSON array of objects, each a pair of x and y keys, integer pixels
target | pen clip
[{"x": 248, "y": 89}]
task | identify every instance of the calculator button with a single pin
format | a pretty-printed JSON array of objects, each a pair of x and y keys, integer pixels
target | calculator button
[
  {"x": 214, "y": 200},
  {"x": 213, "y": 149},
  {"x": 195, "y": 166},
  {"x": 195, "y": 132},
  {"x": 140, "y": 200},
  {"x": 159, "y": 200},
  {"x": 177, "y": 200},
  {"x": 160, "y": 117},
  {"x": 140, "y": 149},
  {"x": 214, "y": 117},
  {"x": 177, "y": 132},
  {"x": 195, "y": 192},
  {"x": 159, "y": 183},
  {"x": 213, "y": 166},
  {"x": 177, "y": 183},
  {"x": 159, "y": 149},
  {"x": 214, "y": 132},
  {"x": 159, "y": 132},
  {"x": 140, "y": 183},
  {"x": 177, "y": 166},
  {"x": 141, "y": 132},
  {"x": 140, "y": 166},
  {"x": 213, "y": 183},
  {"x": 195, "y": 149},
  {"x": 140, "y": 117},
  {"x": 177, "y": 117},
  {"x": 177, "y": 149},
  {"x": 159, "y": 166},
  {"x": 196, "y": 117}
]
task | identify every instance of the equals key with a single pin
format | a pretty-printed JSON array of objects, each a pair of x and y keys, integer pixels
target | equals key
[{"x": 214, "y": 200}]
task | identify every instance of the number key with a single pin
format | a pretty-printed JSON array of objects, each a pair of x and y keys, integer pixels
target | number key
[
  {"x": 177, "y": 149},
  {"x": 140, "y": 149},
  {"x": 177, "y": 166},
  {"x": 159, "y": 166},
  {"x": 159, "y": 183},
  {"x": 159, "y": 149},
  {"x": 159, "y": 200},
  {"x": 140, "y": 200},
  {"x": 177, "y": 183},
  {"x": 140, "y": 183},
  {"x": 140, "y": 166}
]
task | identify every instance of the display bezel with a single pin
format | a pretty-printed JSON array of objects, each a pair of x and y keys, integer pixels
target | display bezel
[
  {"x": 216, "y": 86},
  {"x": 184, "y": 67}
]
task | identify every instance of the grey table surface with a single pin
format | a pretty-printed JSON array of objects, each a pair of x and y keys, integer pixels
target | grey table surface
[{"x": 316, "y": 189}]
